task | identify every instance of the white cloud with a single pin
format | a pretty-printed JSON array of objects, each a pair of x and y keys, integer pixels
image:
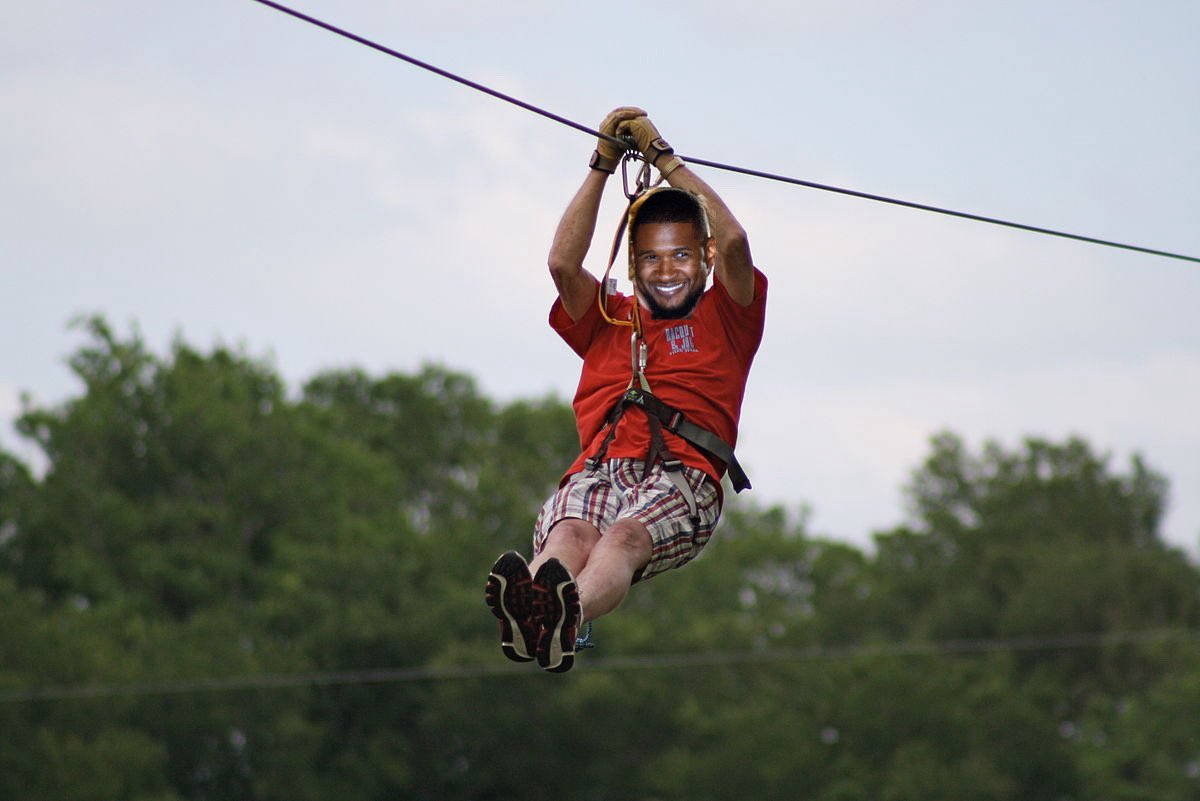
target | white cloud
[{"x": 847, "y": 449}]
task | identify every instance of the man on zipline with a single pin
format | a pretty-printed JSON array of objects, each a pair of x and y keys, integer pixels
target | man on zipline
[{"x": 657, "y": 405}]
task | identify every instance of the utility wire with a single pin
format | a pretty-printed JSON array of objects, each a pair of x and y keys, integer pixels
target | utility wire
[
  {"x": 270, "y": 681},
  {"x": 718, "y": 165}
]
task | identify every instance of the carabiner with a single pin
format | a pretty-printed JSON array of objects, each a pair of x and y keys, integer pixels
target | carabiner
[{"x": 643, "y": 175}]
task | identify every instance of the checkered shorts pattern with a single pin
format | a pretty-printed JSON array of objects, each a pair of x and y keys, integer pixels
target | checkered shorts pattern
[{"x": 615, "y": 490}]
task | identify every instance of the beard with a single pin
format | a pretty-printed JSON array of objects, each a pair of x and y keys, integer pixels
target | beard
[{"x": 661, "y": 312}]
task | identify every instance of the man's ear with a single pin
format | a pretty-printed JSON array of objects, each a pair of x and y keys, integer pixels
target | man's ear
[{"x": 710, "y": 254}]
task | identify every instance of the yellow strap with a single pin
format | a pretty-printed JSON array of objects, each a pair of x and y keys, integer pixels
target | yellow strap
[{"x": 635, "y": 320}]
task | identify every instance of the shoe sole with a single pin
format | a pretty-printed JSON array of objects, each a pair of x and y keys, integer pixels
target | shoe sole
[
  {"x": 507, "y": 570},
  {"x": 556, "y": 648}
]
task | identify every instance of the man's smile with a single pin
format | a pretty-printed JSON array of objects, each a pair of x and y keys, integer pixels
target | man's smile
[{"x": 669, "y": 289}]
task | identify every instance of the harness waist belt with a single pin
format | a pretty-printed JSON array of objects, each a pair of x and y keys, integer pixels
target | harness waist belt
[{"x": 674, "y": 421}]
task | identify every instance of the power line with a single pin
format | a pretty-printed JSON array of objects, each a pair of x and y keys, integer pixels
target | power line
[
  {"x": 272, "y": 681},
  {"x": 721, "y": 166}
]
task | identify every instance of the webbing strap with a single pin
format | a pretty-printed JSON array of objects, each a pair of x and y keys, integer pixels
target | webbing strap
[
  {"x": 659, "y": 452},
  {"x": 614, "y": 415},
  {"x": 674, "y": 421},
  {"x": 702, "y": 438}
]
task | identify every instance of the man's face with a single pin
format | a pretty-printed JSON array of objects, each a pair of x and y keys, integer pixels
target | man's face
[{"x": 670, "y": 262}]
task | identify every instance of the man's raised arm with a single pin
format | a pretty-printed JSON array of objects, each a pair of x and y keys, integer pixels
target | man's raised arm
[
  {"x": 735, "y": 267},
  {"x": 576, "y": 286}
]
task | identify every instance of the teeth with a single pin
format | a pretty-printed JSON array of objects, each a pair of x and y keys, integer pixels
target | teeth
[{"x": 669, "y": 287}]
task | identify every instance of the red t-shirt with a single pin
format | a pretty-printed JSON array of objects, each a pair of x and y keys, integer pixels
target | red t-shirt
[{"x": 698, "y": 365}]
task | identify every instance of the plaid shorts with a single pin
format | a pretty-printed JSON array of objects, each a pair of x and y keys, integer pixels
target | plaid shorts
[{"x": 615, "y": 490}]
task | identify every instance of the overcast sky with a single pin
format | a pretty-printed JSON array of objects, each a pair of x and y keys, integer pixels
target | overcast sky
[{"x": 222, "y": 171}]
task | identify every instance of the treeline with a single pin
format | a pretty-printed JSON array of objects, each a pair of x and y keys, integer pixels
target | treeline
[{"x": 1028, "y": 636}]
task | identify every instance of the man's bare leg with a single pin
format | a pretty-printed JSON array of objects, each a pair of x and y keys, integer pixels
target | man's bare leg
[
  {"x": 570, "y": 541},
  {"x": 605, "y": 580},
  {"x": 586, "y": 575},
  {"x": 603, "y": 566}
]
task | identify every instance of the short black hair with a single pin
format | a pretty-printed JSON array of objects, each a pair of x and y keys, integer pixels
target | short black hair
[{"x": 670, "y": 204}]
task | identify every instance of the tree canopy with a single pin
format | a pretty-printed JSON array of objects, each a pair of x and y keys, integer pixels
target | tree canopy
[{"x": 222, "y": 589}]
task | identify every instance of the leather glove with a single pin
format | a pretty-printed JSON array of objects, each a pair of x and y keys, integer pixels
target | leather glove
[
  {"x": 608, "y": 154},
  {"x": 650, "y": 142}
]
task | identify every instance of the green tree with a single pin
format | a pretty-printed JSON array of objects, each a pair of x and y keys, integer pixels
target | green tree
[
  {"x": 196, "y": 523},
  {"x": 1043, "y": 540}
]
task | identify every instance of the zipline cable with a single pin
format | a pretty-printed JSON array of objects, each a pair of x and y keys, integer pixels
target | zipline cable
[
  {"x": 438, "y": 70},
  {"x": 939, "y": 210},
  {"x": 269, "y": 681},
  {"x": 716, "y": 165}
]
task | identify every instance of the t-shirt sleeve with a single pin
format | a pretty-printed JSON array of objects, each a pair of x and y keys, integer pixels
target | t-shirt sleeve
[
  {"x": 576, "y": 333},
  {"x": 743, "y": 324}
]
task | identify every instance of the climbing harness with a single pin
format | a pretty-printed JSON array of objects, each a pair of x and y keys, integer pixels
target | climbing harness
[{"x": 661, "y": 416}]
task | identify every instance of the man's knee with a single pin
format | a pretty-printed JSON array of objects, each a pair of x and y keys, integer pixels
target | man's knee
[
  {"x": 573, "y": 533},
  {"x": 631, "y": 537}
]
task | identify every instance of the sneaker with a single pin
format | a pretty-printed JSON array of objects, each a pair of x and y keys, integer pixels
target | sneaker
[
  {"x": 510, "y": 596},
  {"x": 559, "y": 613}
]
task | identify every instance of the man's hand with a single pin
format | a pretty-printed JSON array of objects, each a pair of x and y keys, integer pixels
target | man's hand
[
  {"x": 608, "y": 154},
  {"x": 650, "y": 142}
]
